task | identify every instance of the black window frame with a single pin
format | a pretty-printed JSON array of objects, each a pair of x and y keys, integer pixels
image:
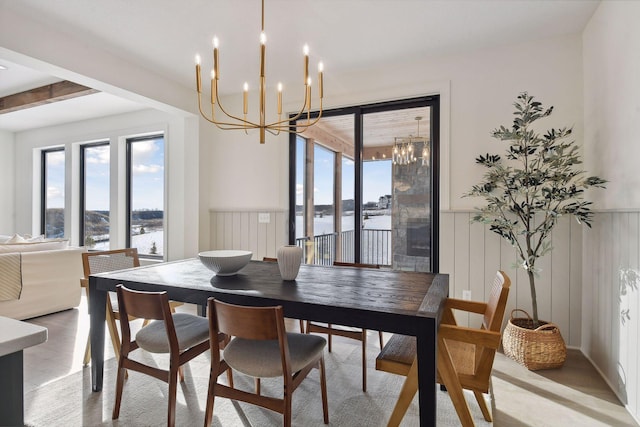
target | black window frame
[
  {"x": 129, "y": 176},
  {"x": 358, "y": 111},
  {"x": 83, "y": 188},
  {"x": 43, "y": 186}
]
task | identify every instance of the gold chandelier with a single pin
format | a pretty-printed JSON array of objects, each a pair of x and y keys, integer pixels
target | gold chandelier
[
  {"x": 234, "y": 122},
  {"x": 404, "y": 149}
]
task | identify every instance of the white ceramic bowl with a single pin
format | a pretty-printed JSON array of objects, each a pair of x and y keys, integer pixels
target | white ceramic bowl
[{"x": 225, "y": 263}]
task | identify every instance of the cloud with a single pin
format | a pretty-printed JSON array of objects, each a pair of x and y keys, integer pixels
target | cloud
[
  {"x": 55, "y": 158},
  {"x": 143, "y": 148},
  {"x": 97, "y": 155},
  {"x": 299, "y": 188},
  {"x": 140, "y": 169}
]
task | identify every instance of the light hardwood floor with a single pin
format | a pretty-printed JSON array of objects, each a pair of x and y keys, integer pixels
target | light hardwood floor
[{"x": 575, "y": 395}]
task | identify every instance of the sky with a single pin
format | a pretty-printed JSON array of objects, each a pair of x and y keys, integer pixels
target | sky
[
  {"x": 148, "y": 176},
  {"x": 376, "y": 178}
]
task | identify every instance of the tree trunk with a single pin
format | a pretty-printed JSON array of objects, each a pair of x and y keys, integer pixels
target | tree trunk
[{"x": 534, "y": 301}]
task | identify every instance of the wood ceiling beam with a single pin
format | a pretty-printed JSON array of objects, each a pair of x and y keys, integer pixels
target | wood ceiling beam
[
  {"x": 329, "y": 140},
  {"x": 54, "y": 92}
]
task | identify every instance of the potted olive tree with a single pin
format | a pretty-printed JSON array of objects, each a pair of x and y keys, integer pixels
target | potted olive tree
[{"x": 525, "y": 195}]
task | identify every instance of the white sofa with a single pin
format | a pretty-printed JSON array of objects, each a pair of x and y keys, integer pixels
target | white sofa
[{"x": 50, "y": 283}]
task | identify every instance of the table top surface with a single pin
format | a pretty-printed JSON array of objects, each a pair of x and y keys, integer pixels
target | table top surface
[
  {"x": 16, "y": 335},
  {"x": 359, "y": 290}
]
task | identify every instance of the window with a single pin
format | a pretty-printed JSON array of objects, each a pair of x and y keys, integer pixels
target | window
[
  {"x": 387, "y": 211},
  {"x": 145, "y": 195},
  {"x": 94, "y": 195},
  {"x": 323, "y": 205},
  {"x": 52, "y": 203}
]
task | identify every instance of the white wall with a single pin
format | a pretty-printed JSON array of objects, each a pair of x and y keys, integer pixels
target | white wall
[
  {"x": 477, "y": 92},
  {"x": 7, "y": 182},
  {"x": 181, "y": 169},
  {"x": 483, "y": 86},
  {"x": 611, "y": 263}
]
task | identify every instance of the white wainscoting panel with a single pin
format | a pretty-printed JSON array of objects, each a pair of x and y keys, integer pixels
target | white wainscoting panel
[
  {"x": 471, "y": 254},
  {"x": 243, "y": 230},
  {"x": 611, "y": 302}
]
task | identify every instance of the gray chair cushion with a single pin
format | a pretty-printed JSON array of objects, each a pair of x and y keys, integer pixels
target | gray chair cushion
[
  {"x": 190, "y": 330},
  {"x": 262, "y": 359}
]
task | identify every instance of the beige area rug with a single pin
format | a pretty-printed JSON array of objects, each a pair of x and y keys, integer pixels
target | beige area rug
[{"x": 70, "y": 402}]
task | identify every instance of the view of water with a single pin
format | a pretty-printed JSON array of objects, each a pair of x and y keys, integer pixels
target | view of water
[{"x": 324, "y": 225}]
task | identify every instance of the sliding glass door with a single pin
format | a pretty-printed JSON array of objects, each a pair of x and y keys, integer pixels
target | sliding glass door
[{"x": 363, "y": 185}]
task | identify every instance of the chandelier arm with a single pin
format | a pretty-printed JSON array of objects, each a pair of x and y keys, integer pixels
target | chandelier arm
[
  {"x": 231, "y": 116},
  {"x": 304, "y": 105},
  {"x": 278, "y": 124},
  {"x": 305, "y": 126}
]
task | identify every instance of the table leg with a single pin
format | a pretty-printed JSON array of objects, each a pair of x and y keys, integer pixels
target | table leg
[
  {"x": 426, "y": 348},
  {"x": 12, "y": 390},
  {"x": 97, "y": 312},
  {"x": 201, "y": 310}
]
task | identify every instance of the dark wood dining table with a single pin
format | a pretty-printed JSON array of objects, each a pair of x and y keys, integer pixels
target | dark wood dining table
[{"x": 408, "y": 303}]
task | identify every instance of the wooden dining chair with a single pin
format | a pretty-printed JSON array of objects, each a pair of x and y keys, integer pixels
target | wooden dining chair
[
  {"x": 346, "y": 331},
  {"x": 96, "y": 262},
  {"x": 270, "y": 259},
  {"x": 260, "y": 347},
  {"x": 465, "y": 355},
  {"x": 183, "y": 336}
]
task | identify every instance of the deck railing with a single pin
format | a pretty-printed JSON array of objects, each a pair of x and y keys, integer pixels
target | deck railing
[{"x": 321, "y": 249}]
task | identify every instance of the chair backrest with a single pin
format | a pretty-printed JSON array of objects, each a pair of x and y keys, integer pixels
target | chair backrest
[
  {"x": 252, "y": 323},
  {"x": 497, "y": 302},
  {"x": 145, "y": 305},
  {"x": 104, "y": 261},
  {"x": 354, "y": 264}
]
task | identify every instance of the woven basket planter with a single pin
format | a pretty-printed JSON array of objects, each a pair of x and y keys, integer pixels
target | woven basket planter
[{"x": 540, "y": 348}]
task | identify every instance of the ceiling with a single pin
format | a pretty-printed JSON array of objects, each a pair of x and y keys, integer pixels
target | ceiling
[{"x": 347, "y": 35}]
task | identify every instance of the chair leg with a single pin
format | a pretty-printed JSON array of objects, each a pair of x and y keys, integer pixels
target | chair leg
[
  {"x": 87, "y": 352},
  {"x": 113, "y": 332},
  {"x": 173, "y": 387},
  {"x": 287, "y": 408},
  {"x": 119, "y": 386},
  {"x": 364, "y": 360},
  {"x": 483, "y": 405},
  {"x": 211, "y": 397},
  {"x": 409, "y": 389},
  {"x": 301, "y": 326},
  {"x": 115, "y": 336},
  {"x": 329, "y": 337},
  {"x": 257, "y": 385},
  {"x": 230, "y": 377},
  {"x": 454, "y": 388},
  {"x": 323, "y": 389},
  {"x": 381, "y": 339}
]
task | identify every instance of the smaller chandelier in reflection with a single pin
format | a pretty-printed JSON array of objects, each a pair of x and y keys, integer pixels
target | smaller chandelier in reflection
[
  {"x": 404, "y": 149},
  {"x": 237, "y": 122}
]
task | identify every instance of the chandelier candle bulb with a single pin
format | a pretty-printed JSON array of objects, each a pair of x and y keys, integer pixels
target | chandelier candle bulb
[
  {"x": 213, "y": 89},
  {"x": 263, "y": 40},
  {"x": 320, "y": 70},
  {"x": 305, "y": 50},
  {"x": 279, "y": 99},
  {"x": 198, "y": 84},
  {"x": 245, "y": 98},
  {"x": 215, "y": 57}
]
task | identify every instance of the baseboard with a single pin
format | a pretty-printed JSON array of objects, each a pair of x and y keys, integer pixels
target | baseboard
[{"x": 614, "y": 389}]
